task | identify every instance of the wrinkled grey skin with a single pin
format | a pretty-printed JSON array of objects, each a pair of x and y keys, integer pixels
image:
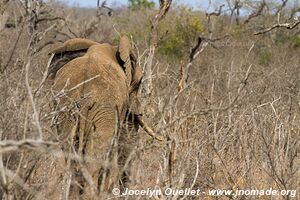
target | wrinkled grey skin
[{"x": 95, "y": 88}]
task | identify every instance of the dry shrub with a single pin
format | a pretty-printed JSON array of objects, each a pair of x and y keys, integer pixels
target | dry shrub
[{"x": 236, "y": 125}]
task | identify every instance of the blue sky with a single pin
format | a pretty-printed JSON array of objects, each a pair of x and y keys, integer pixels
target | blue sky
[
  {"x": 195, "y": 4},
  {"x": 93, "y": 3}
]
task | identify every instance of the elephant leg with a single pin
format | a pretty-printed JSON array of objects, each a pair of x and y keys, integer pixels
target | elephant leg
[
  {"x": 98, "y": 149},
  {"x": 127, "y": 143}
]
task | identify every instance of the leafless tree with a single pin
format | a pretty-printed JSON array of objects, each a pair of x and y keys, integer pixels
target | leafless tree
[
  {"x": 234, "y": 6},
  {"x": 154, "y": 36},
  {"x": 257, "y": 12},
  {"x": 208, "y": 16}
]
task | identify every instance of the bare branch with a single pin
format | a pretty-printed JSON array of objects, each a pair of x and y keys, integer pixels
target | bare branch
[
  {"x": 236, "y": 7},
  {"x": 184, "y": 70},
  {"x": 49, "y": 19},
  {"x": 31, "y": 98},
  {"x": 148, "y": 129},
  {"x": 63, "y": 91},
  {"x": 12, "y": 145},
  {"x": 104, "y": 5},
  {"x": 164, "y": 7},
  {"x": 283, "y": 4},
  {"x": 172, "y": 159},
  {"x": 3, "y": 175},
  {"x": 195, "y": 51},
  {"x": 45, "y": 75},
  {"x": 279, "y": 25},
  {"x": 208, "y": 15},
  {"x": 215, "y": 13},
  {"x": 256, "y": 13}
]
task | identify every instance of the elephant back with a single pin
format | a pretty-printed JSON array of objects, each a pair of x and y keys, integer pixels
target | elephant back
[
  {"x": 66, "y": 52},
  {"x": 103, "y": 53},
  {"x": 96, "y": 77}
]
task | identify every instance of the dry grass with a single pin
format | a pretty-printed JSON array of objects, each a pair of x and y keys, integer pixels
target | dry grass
[{"x": 235, "y": 124}]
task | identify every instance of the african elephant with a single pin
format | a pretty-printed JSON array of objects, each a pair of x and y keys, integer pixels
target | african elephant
[{"x": 96, "y": 98}]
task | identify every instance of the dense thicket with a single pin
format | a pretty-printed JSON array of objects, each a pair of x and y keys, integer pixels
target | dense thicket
[{"x": 234, "y": 124}]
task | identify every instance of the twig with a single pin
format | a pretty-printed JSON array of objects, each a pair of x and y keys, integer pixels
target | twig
[
  {"x": 3, "y": 175},
  {"x": 12, "y": 145},
  {"x": 45, "y": 74},
  {"x": 18, "y": 180},
  {"x": 31, "y": 98},
  {"x": 172, "y": 159},
  {"x": 62, "y": 92},
  {"x": 49, "y": 19}
]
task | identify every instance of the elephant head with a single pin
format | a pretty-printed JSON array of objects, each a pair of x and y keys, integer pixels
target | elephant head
[{"x": 96, "y": 98}]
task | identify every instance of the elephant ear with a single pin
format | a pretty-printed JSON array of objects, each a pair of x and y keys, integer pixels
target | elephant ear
[
  {"x": 124, "y": 48},
  {"x": 66, "y": 52},
  {"x": 128, "y": 60},
  {"x": 133, "y": 73},
  {"x": 75, "y": 44},
  {"x": 124, "y": 52}
]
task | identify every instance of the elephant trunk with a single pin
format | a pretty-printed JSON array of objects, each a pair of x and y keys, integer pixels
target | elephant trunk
[{"x": 147, "y": 128}]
